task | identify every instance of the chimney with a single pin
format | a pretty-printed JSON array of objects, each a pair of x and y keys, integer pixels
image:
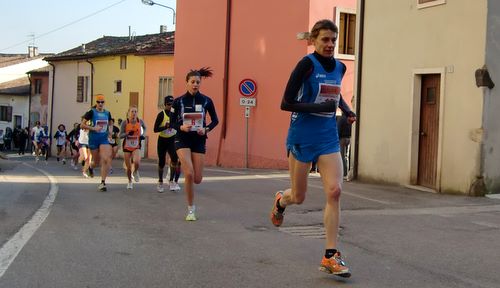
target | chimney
[
  {"x": 83, "y": 48},
  {"x": 163, "y": 28},
  {"x": 32, "y": 51}
]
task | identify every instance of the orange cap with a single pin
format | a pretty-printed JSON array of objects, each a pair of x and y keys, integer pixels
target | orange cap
[{"x": 99, "y": 97}]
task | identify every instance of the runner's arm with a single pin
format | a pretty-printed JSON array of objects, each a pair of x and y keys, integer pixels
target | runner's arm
[
  {"x": 122, "y": 129},
  {"x": 214, "y": 120},
  {"x": 289, "y": 102},
  {"x": 87, "y": 117},
  {"x": 143, "y": 128},
  {"x": 159, "y": 118}
]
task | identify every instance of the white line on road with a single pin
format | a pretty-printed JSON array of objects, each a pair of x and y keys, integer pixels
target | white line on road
[{"x": 11, "y": 248}]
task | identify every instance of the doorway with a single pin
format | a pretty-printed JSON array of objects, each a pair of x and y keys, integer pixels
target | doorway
[{"x": 428, "y": 131}]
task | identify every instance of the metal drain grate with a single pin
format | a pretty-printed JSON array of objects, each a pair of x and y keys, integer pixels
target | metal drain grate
[{"x": 309, "y": 231}]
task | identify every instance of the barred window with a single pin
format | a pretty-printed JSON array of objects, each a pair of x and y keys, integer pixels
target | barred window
[
  {"x": 166, "y": 87},
  {"x": 82, "y": 89},
  {"x": 38, "y": 86}
]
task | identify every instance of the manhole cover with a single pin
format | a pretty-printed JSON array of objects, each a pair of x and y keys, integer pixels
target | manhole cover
[{"x": 309, "y": 231}]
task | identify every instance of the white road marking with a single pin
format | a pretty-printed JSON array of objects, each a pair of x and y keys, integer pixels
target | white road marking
[{"x": 11, "y": 248}]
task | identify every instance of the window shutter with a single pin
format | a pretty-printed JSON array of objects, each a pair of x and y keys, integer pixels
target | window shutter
[
  {"x": 342, "y": 32},
  {"x": 9, "y": 113}
]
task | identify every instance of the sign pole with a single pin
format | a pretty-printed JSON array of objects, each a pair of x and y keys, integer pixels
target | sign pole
[
  {"x": 247, "y": 115},
  {"x": 248, "y": 89}
]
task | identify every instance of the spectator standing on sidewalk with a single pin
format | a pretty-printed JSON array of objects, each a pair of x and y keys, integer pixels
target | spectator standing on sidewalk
[
  {"x": 23, "y": 137},
  {"x": 313, "y": 95},
  {"x": 344, "y": 129},
  {"x": 190, "y": 112}
]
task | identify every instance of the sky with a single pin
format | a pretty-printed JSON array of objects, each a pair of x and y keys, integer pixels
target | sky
[{"x": 55, "y": 26}]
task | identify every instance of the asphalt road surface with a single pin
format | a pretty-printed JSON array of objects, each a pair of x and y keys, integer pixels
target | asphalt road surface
[{"x": 57, "y": 230}]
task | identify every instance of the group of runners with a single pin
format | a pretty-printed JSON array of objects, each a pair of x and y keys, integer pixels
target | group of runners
[
  {"x": 182, "y": 132},
  {"x": 312, "y": 95}
]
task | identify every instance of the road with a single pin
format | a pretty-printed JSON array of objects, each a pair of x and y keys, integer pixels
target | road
[{"x": 79, "y": 237}]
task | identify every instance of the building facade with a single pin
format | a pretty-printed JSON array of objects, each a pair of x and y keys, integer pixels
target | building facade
[
  {"x": 253, "y": 40},
  {"x": 116, "y": 67},
  {"x": 423, "y": 120}
]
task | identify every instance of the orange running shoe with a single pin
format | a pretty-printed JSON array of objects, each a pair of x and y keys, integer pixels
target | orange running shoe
[
  {"x": 276, "y": 216},
  {"x": 335, "y": 265}
]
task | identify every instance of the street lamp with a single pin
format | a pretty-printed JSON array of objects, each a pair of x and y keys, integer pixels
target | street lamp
[{"x": 151, "y": 3}]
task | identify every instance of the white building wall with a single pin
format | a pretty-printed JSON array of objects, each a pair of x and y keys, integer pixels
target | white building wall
[
  {"x": 19, "y": 107},
  {"x": 17, "y": 71}
]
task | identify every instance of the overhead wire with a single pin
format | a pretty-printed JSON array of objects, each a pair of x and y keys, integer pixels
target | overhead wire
[{"x": 64, "y": 26}]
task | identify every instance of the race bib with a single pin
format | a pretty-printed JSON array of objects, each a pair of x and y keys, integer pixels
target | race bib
[
  {"x": 327, "y": 93},
  {"x": 132, "y": 142},
  {"x": 194, "y": 119},
  {"x": 103, "y": 124}
]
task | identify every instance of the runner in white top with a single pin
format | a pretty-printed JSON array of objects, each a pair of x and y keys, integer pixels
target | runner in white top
[
  {"x": 35, "y": 131},
  {"x": 61, "y": 140},
  {"x": 85, "y": 155}
]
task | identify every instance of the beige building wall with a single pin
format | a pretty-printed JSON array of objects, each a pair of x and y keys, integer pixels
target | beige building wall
[
  {"x": 402, "y": 41},
  {"x": 66, "y": 110}
]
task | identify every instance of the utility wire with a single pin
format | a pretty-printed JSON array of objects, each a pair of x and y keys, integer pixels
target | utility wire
[{"x": 66, "y": 25}]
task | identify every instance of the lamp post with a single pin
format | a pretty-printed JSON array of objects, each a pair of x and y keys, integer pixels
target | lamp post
[{"x": 151, "y": 3}]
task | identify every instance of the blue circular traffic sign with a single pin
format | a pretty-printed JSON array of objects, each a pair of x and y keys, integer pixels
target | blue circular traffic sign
[{"x": 248, "y": 87}]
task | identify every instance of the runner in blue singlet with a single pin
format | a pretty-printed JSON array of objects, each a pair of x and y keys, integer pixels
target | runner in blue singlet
[
  {"x": 98, "y": 137},
  {"x": 313, "y": 96}
]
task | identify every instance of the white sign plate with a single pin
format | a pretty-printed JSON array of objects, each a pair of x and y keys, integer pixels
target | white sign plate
[{"x": 247, "y": 101}]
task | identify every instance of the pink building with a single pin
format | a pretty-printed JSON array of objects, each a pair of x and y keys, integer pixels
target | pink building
[{"x": 255, "y": 40}]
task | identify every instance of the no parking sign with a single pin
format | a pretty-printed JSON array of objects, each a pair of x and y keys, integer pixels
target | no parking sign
[{"x": 247, "y": 87}]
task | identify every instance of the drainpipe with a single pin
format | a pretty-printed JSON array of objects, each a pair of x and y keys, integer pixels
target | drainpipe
[
  {"x": 91, "y": 81},
  {"x": 29, "y": 101},
  {"x": 359, "y": 69},
  {"x": 52, "y": 105},
  {"x": 226, "y": 81},
  {"x": 29, "y": 112}
]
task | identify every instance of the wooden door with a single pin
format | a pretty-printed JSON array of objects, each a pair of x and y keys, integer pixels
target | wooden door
[
  {"x": 134, "y": 99},
  {"x": 429, "y": 131}
]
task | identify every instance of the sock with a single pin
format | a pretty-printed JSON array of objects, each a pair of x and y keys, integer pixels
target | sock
[
  {"x": 102, "y": 181},
  {"x": 329, "y": 253},
  {"x": 191, "y": 208}
]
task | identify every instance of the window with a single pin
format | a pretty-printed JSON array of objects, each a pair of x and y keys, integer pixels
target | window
[
  {"x": 166, "y": 87},
  {"x": 6, "y": 113},
  {"x": 82, "y": 89},
  {"x": 38, "y": 86},
  {"x": 123, "y": 62},
  {"x": 429, "y": 3},
  {"x": 346, "y": 42},
  {"x": 34, "y": 116},
  {"x": 118, "y": 86}
]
